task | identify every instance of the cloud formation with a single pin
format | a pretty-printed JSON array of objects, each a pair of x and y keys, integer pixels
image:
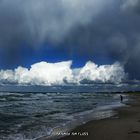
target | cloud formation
[
  {"x": 108, "y": 28},
  {"x": 37, "y": 21},
  {"x": 115, "y": 34},
  {"x": 130, "y": 4},
  {"x": 61, "y": 73}
]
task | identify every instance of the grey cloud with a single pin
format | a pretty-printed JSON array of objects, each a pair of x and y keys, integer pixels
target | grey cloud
[
  {"x": 114, "y": 34},
  {"x": 131, "y": 5},
  {"x": 109, "y": 28},
  {"x": 36, "y": 21}
]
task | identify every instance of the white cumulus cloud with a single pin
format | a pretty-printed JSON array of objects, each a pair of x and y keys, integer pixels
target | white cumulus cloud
[
  {"x": 44, "y": 73},
  {"x": 104, "y": 73}
]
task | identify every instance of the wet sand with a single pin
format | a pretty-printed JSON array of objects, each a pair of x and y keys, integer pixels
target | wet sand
[{"x": 124, "y": 126}]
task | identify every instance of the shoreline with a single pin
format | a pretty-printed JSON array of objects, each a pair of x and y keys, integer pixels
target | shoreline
[
  {"x": 103, "y": 112},
  {"x": 125, "y": 125}
]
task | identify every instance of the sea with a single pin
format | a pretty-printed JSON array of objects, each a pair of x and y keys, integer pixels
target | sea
[{"x": 34, "y": 115}]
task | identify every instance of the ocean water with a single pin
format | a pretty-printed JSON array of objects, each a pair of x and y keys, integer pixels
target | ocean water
[{"x": 30, "y": 116}]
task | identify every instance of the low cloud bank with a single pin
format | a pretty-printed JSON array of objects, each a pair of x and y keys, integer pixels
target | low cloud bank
[{"x": 44, "y": 73}]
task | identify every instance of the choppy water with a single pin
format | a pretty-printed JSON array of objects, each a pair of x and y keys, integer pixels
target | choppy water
[{"x": 27, "y": 116}]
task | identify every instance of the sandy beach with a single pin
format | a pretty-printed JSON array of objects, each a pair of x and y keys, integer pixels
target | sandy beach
[{"x": 124, "y": 126}]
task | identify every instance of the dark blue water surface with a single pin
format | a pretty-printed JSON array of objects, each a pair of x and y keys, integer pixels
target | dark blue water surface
[{"x": 27, "y": 116}]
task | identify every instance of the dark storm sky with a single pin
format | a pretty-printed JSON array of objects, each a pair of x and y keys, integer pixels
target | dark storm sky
[{"x": 56, "y": 30}]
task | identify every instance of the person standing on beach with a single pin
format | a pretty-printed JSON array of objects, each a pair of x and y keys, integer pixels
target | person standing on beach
[{"x": 121, "y": 98}]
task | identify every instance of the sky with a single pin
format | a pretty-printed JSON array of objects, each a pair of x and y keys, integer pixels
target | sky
[{"x": 95, "y": 35}]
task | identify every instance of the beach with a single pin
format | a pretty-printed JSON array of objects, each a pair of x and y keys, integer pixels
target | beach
[
  {"x": 44, "y": 115},
  {"x": 125, "y": 125}
]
